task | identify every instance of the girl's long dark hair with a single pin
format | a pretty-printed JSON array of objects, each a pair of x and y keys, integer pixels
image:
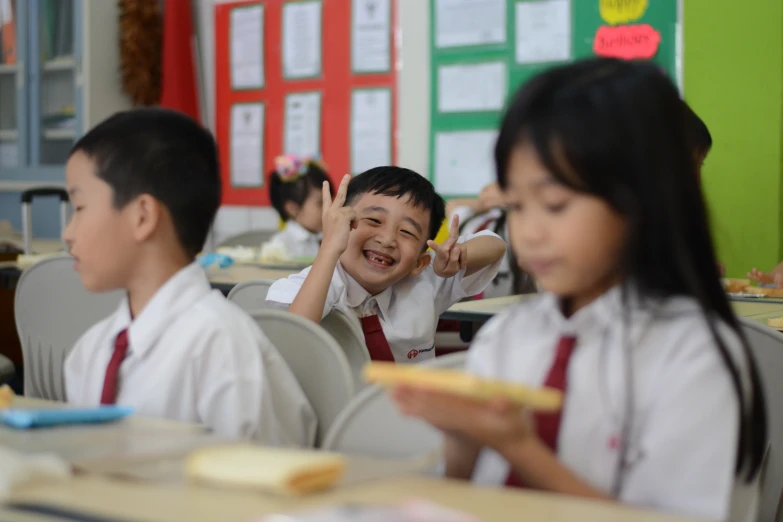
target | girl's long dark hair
[{"x": 617, "y": 130}]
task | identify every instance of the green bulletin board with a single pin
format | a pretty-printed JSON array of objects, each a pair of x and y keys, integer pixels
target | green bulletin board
[{"x": 585, "y": 18}]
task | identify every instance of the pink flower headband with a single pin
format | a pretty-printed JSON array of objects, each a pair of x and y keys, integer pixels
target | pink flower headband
[{"x": 290, "y": 167}]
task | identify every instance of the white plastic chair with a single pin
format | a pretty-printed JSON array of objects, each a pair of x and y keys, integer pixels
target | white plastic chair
[
  {"x": 315, "y": 359},
  {"x": 52, "y": 311},
  {"x": 372, "y": 425},
  {"x": 351, "y": 340},
  {"x": 251, "y": 295},
  {"x": 767, "y": 347},
  {"x": 251, "y": 238},
  {"x": 7, "y": 368}
]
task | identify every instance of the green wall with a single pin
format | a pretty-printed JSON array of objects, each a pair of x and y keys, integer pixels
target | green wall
[{"x": 733, "y": 62}]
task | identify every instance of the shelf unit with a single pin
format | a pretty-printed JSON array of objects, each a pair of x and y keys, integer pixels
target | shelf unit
[{"x": 65, "y": 80}]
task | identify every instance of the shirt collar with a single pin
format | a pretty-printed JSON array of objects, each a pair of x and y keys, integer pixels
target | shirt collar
[
  {"x": 299, "y": 232},
  {"x": 182, "y": 290},
  {"x": 357, "y": 297},
  {"x": 605, "y": 311}
]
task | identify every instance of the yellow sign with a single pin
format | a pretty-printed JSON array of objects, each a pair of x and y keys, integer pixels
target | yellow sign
[{"x": 622, "y": 11}]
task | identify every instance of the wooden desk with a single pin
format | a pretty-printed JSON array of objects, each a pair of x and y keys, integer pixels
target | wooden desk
[
  {"x": 482, "y": 310},
  {"x": 125, "y": 448},
  {"x": 225, "y": 279},
  {"x": 156, "y": 503}
]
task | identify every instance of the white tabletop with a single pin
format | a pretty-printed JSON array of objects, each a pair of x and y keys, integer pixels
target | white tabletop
[{"x": 193, "y": 503}]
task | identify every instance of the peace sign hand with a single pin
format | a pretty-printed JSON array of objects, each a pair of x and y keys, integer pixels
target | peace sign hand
[
  {"x": 338, "y": 220},
  {"x": 450, "y": 257}
]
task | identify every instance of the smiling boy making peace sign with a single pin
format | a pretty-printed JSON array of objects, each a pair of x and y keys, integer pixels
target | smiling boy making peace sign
[{"x": 374, "y": 265}]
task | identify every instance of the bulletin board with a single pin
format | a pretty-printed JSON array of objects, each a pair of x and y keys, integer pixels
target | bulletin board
[
  {"x": 462, "y": 138},
  {"x": 344, "y": 89}
]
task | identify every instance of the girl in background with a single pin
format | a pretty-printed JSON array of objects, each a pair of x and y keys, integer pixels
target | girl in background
[
  {"x": 663, "y": 406},
  {"x": 295, "y": 191}
]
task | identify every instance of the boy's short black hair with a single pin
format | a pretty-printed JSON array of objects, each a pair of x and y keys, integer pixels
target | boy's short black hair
[
  {"x": 398, "y": 182},
  {"x": 165, "y": 154},
  {"x": 697, "y": 132},
  {"x": 281, "y": 192}
]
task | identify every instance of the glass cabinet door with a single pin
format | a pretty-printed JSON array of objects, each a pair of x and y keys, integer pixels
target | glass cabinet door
[
  {"x": 55, "y": 110},
  {"x": 11, "y": 79}
]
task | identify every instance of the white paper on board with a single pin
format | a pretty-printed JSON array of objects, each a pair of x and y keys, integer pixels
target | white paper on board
[
  {"x": 247, "y": 145},
  {"x": 371, "y": 36},
  {"x": 371, "y": 129},
  {"x": 543, "y": 31},
  {"x": 464, "y": 161},
  {"x": 247, "y": 47},
  {"x": 6, "y": 12},
  {"x": 469, "y": 22},
  {"x": 302, "y": 39},
  {"x": 302, "y": 124},
  {"x": 472, "y": 87}
]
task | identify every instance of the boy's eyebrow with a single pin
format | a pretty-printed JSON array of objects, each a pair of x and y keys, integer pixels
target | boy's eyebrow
[
  {"x": 375, "y": 209},
  {"x": 409, "y": 219}
]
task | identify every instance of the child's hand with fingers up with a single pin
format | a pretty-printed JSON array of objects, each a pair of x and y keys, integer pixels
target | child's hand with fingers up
[
  {"x": 773, "y": 277},
  {"x": 338, "y": 220},
  {"x": 450, "y": 257}
]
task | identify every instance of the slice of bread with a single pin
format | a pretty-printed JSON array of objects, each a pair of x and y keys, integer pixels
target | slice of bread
[
  {"x": 460, "y": 383},
  {"x": 287, "y": 471},
  {"x": 769, "y": 292},
  {"x": 776, "y": 323},
  {"x": 735, "y": 286}
]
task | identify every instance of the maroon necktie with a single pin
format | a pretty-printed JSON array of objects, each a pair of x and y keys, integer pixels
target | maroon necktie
[
  {"x": 548, "y": 423},
  {"x": 376, "y": 339},
  {"x": 109, "y": 393}
]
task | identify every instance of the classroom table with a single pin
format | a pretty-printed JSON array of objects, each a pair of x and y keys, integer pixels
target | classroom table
[
  {"x": 117, "y": 483},
  {"x": 116, "y": 500},
  {"x": 125, "y": 447},
  {"x": 224, "y": 279},
  {"x": 482, "y": 310}
]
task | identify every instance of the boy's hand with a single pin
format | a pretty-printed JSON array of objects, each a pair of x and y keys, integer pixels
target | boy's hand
[
  {"x": 450, "y": 257},
  {"x": 337, "y": 219},
  {"x": 497, "y": 424}
]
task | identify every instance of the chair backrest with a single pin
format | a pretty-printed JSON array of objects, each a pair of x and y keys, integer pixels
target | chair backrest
[
  {"x": 315, "y": 359},
  {"x": 372, "y": 425},
  {"x": 52, "y": 311},
  {"x": 6, "y": 367},
  {"x": 767, "y": 347},
  {"x": 351, "y": 340},
  {"x": 251, "y": 238},
  {"x": 251, "y": 295}
]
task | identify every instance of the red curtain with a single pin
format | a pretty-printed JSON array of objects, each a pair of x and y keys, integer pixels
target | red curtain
[{"x": 179, "y": 89}]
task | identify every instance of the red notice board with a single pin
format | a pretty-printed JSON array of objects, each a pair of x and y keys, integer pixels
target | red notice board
[{"x": 335, "y": 85}]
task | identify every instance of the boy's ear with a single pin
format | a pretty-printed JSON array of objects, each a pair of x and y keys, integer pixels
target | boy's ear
[
  {"x": 144, "y": 213},
  {"x": 423, "y": 262},
  {"x": 291, "y": 208}
]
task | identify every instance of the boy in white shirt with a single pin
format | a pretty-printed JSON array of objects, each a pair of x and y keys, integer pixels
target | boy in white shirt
[
  {"x": 145, "y": 187},
  {"x": 375, "y": 268}
]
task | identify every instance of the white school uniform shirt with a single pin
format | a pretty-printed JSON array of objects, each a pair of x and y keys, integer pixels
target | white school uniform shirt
[
  {"x": 684, "y": 426},
  {"x": 503, "y": 284},
  {"x": 194, "y": 356},
  {"x": 297, "y": 240},
  {"x": 408, "y": 310}
]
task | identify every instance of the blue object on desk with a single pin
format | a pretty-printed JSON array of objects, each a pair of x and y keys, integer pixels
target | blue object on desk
[
  {"x": 41, "y": 418},
  {"x": 213, "y": 258}
]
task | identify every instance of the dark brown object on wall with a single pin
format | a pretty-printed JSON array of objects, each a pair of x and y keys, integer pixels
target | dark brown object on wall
[{"x": 141, "y": 40}]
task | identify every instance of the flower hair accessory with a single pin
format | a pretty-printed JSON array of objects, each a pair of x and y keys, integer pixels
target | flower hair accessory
[{"x": 290, "y": 167}]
